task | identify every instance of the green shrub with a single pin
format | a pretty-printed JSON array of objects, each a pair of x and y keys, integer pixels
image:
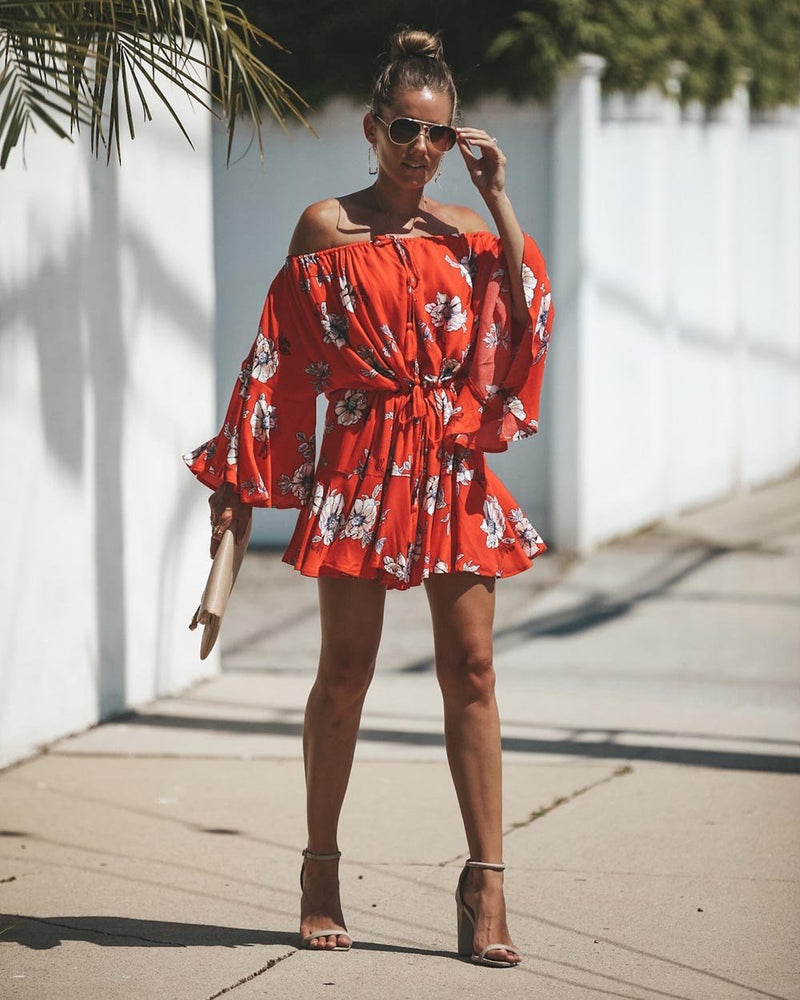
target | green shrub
[{"x": 521, "y": 49}]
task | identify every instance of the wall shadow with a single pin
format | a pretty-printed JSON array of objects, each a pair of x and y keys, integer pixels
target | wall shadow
[{"x": 602, "y": 749}]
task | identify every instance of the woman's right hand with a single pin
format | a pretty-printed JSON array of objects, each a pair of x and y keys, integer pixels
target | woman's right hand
[{"x": 228, "y": 511}]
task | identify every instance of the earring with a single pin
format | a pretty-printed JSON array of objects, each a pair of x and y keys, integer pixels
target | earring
[{"x": 372, "y": 167}]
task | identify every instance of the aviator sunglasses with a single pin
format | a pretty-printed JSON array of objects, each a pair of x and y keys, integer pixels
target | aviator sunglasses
[{"x": 404, "y": 131}]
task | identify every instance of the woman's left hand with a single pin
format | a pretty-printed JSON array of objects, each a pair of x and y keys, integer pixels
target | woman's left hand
[{"x": 488, "y": 171}]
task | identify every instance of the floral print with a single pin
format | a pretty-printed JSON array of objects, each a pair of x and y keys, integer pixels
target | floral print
[
  {"x": 413, "y": 343},
  {"x": 526, "y": 533},
  {"x": 330, "y": 517},
  {"x": 350, "y": 409},
  {"x": 447, "y": 312},
  {"x": 263, "y": 419},
  {"x": 528, "y": 284},
  {"x": 265, "y": 359},
  {"x": 494, "y": 522},
  {"x": 362, "y": 518},
  {"x": 334, "y": 327}
]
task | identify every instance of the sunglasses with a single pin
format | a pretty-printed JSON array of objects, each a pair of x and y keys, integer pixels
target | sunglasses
[{"x": 404, "y": 131}]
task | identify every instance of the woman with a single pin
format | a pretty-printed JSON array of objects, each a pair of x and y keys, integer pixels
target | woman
[{"x": 428, "y": 336}]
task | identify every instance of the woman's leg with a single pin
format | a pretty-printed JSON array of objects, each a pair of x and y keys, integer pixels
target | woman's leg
[
  {"x": 351, "y": 616},
  {"x": 462, "y": 609}
]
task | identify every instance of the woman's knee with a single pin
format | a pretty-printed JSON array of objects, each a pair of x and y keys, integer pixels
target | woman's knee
[
  {"x": 468, "y": 676},
  {"x": 344, "y": 676}
]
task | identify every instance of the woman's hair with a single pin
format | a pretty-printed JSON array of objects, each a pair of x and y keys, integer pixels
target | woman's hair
[{"x": 416, "y": 61}]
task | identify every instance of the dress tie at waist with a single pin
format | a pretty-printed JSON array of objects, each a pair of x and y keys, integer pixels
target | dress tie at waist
[{"x": 417, "y": 405}]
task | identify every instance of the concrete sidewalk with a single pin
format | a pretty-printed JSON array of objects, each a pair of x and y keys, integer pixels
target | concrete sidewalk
[{"x": 651, "y": 705}]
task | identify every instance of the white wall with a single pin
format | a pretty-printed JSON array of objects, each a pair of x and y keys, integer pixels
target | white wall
[
  {"x": 106, "y": 311},
  {"x": 676, "y": 349}
]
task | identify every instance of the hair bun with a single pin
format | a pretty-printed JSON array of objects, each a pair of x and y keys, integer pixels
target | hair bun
[{"x": 409, "y": 42}]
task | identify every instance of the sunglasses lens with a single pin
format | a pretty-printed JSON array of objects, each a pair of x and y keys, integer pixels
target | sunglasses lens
[
  {"x": 403, "y": 131},
  {"x": 442, "y": 137}
]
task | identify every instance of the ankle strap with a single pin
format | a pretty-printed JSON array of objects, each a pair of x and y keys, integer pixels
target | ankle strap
[
  {"x": 485, "y": 864},
  {"x": 321, "y": 857}
]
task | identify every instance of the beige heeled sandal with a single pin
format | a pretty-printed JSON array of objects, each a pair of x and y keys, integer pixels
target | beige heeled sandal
[
  {"x": 465, "y": 917},
  {"x": 334, "y": 931}
]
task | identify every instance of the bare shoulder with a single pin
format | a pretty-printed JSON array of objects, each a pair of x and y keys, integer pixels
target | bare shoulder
[
  {"x": 317, "y": 227},
  {"x": 463, "y": 219}
]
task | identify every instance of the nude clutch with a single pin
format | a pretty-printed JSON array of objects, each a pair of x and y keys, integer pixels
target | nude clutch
[{"x": 224, "y": 570}]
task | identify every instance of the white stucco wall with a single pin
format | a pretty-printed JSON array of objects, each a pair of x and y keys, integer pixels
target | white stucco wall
[
  {"x": 676, "y": 351},
  {"x": 106, "y": 311}
]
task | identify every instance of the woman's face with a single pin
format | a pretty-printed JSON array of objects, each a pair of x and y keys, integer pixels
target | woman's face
[{"x": 410, "y": 166}]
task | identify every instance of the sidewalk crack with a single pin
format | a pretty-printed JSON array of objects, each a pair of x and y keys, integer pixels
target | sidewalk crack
[
  {"x": 563, "y": 800},
  {"x": 253, "y": 975}
]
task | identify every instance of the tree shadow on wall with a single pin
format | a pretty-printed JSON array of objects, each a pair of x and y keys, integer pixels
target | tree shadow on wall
[{"x": 73, "y": 311}]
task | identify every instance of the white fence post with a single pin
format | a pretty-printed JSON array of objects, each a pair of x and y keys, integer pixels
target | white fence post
[{"x": 576, "y": 127}]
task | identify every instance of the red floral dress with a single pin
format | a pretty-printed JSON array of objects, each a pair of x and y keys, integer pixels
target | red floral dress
[{"x": 413, "y": 343}]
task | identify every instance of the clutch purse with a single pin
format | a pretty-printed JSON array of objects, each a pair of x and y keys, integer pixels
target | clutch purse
[{"x": 224, "y": 570}]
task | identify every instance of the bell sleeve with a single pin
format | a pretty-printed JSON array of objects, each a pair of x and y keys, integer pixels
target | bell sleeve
[
  {"x": 266, "y": 446},
  {"x": 499, "y": 400}
]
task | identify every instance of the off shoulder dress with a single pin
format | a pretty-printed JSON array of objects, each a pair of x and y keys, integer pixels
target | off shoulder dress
[{"x": 412, "y": 341}]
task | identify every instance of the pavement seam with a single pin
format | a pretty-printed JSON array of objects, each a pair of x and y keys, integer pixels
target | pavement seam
[
  {"x": 253, "y": 975},
  {"x": 560, "y": 801},
  {"x": 563, "y": 800}
]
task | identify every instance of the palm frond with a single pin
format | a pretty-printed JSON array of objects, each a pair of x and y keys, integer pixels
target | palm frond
[{"x": 72, "y": 64}]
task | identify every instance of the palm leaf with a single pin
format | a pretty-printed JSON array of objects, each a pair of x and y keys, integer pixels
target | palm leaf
[{"x": 72, "y": 64}]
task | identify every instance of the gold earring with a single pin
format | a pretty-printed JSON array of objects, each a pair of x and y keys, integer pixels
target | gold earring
[{"x": 372, "y": 167}]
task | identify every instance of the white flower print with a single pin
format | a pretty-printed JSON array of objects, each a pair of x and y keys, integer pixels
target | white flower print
[
  {"x": 467, "y": 566},
  {"x": 529, "y": 538},
  {"x": 347, "y": 293},
  {"x": 440, "y": 566},
  {"x": 443, "y": 402},
  {"x": 265, "y": 358},
  {"x": 496, "y": 337},
  {"x": 434, "y": 495},
  {"x": 233, "y": 445},
  {"x": 494, "y": 522},
  {"x": 399, "y": 567},
  {"x": 361, "y": 520},
  {"x": 334, "y": 327},
  {"x": 299, "y": 484},
  {"x": 401, "y": 470},
  {"x": 528, "y": 284},
  {"x": 544, "y": 310},
  {"x": 330, "y": 518},
  {"x": 315, "y": 503},
  {"x": 351, "y": 409},
  {"x": 463, "y": 265},
  {"x": 513, "y": 404},
  {"x": 457, "y": 462},
  {"x": 264, "y": 418},
  {"x": 447, "y": 312},
  {"x": 389, "y": 341}
]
